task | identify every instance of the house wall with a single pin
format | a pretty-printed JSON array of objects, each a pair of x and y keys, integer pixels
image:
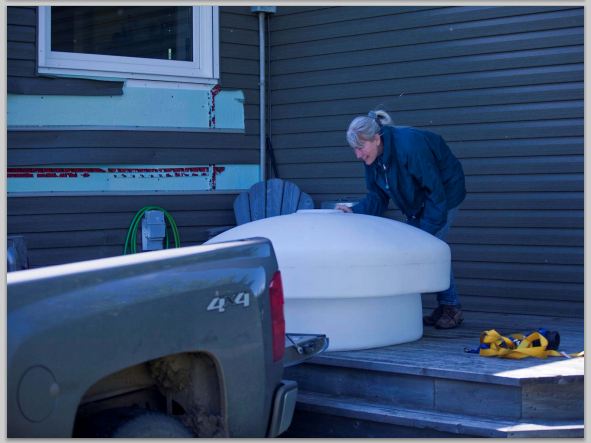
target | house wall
[
  {"x": 504, "y": 87},
  {"x": 61, "y": 229}
]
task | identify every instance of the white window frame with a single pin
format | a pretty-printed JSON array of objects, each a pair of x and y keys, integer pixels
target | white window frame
[{"x": 203, "y": 69}]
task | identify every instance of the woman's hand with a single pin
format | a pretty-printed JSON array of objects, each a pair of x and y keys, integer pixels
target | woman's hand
[{"x": 343, "y": 208}]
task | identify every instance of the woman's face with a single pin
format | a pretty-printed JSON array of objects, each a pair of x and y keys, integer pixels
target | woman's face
[{"x": 369, "y": 150}]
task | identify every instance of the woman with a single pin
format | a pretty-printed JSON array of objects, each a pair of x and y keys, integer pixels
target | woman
[{"x": 418, "y": 171}]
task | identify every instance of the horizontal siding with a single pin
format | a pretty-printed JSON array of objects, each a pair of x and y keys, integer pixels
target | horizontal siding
[
  {"x": 21, "y": 68},
  {"x": 510, "y": 303},
  {"x": 401, "y": 31},
  {"x": 559, "y": 255},
  {"x": 478, "y": 235},
  {"x": 479, "y": 49},
  {"x": 564, "y": 201},
  {"x": 326, "y": 23},
  {"x": 519, "y": 272},
  {"x": 75, "y": 204},
  {"x": 65, "y": 229},
  {"x": 484, "y": 97},
  {"x": 239, "y": 69},
  {"x": 107, "y": 220},
  {"x": 22, "y": 16},
  {"x": 503, "y": 85},
  {"x": 435, "y": 117},
  {"x": 528, "y": 290},
  {"x": 503, "y": 131},
  {"x": 463, "y": 149},
  {"x": 191, "y": 156},
  {"x": 473, "y": 167},
  {"x": 465, "y": 33},
  {"x": 150, "y": 147},
  {"x": 516, "y": 200},
  {"x": 22, "y": 36},
  {"x": 513, "y": 68},
  {"x": 22, "y": 75},
  {"x": 297, "y": 18},
  {"x": 494, "y": 183},
  {"x": 21, "y": 51}
]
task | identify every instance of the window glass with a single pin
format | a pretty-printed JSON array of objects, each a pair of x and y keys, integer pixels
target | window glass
[{"x": 131, "y": 31}]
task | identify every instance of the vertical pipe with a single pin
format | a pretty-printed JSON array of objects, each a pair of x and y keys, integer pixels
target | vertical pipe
[{"x": 262, "y": 119}]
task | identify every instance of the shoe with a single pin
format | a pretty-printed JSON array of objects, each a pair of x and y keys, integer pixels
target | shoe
[
  {"x": 451, "y": 317},
  {"x": 430, "y": 320}
]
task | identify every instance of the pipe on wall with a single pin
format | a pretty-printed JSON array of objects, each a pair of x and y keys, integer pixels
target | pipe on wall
[
  {"x": 262, "y": 11},
  {"x": 262, "y": 115}
]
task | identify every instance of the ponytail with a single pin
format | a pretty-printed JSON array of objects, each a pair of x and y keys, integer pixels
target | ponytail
[
  {"x": 381, "y": 117},
  {"x": 365, "y": 128}
]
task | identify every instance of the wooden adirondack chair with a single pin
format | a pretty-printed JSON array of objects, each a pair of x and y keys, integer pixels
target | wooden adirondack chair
[{"x": 268, "y": 199}]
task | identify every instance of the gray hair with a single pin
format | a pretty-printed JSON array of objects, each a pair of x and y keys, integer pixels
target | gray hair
[{"x": 366, "y": 127}]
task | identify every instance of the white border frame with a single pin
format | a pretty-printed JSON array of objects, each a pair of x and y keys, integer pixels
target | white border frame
[{"x": 203, "y": 69}]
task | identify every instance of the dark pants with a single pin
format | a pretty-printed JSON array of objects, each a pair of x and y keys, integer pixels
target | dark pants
[{"x": 450, "y": 295}]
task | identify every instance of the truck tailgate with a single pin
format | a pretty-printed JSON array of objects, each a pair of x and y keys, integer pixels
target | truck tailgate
[{"x": 301, "y": 347}]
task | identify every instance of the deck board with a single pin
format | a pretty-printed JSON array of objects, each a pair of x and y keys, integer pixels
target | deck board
[{"x": 440, "y": 353}]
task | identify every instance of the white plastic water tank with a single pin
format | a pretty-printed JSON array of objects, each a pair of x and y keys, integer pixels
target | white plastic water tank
[{"x": 356, "y": 278}]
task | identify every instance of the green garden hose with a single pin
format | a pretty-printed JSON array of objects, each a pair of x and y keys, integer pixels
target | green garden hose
[{"x": 131, "y": 239}]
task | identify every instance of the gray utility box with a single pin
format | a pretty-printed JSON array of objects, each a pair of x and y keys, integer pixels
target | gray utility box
[
  {"x": 332, "y": 204},
  {"x": 16, "y": 253},
  {"x": 153, "y": 230},
  {"x": 267, "y": 9}
]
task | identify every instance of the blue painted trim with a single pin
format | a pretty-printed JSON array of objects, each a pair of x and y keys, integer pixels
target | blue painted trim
[
  {"x": 130, "y": 178},
  {"x": 140, "y": 107}
]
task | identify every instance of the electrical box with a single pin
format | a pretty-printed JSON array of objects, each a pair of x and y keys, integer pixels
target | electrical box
[
  {"x": 153, "y": 230},
  {"x": 331, "y": 204},
  {"x": 267, "y": 9},
  {"x": 16, "y": 253}
]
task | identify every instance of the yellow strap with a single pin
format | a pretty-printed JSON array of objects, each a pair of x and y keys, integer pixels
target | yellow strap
[{"x": 501, "y": 346}]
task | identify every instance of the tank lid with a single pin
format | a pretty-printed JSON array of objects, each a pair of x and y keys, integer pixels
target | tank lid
[{"x": 319, "y": 211}]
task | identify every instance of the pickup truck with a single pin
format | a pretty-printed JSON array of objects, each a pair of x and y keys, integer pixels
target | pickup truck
[{"x": 173, "y": 343}]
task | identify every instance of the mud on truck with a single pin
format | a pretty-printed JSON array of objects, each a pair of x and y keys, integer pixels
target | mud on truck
[{"x": 173, "y": 343}]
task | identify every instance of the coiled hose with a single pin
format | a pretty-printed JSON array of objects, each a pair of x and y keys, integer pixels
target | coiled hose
[{"x": 131, "y": 239}]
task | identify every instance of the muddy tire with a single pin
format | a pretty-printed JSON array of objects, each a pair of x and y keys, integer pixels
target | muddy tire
[
  {"x": 130, "y": 422},
  {"x": 152, "y": 425}
]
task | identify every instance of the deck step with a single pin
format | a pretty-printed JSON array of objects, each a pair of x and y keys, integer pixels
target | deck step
[
  {"x": 326, "y": 415},
  {"x": 432, "y": 388},
  {"x": 561, "y": 398}
]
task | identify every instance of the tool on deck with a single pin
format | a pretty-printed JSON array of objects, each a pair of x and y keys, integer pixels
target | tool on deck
[{"x": 540, "y": 344}]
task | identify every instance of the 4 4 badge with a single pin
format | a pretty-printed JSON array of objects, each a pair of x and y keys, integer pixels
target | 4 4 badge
[{"x": 220, "y": 303}]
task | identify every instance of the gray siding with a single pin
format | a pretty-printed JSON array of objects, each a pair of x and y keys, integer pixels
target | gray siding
[
  {"x": 68, "y": 228},
  {"x": 504, "y": 87},
  {"x": 21, "y": 45},
  {"x": 22, "y": 75}
]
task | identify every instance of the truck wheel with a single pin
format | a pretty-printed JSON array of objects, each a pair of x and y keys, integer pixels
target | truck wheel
[{"x": 152, "y": 425}]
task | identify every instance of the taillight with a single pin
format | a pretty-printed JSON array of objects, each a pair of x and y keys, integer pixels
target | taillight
[{"x": 277, "y": 318}]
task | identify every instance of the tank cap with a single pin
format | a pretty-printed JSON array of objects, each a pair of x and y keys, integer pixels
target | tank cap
[{"x": 319, "y": 211}]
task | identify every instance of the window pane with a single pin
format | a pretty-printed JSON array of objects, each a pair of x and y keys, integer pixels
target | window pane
[{"x": 130, "y": 31}]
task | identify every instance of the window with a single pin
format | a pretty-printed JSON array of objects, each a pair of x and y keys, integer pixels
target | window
[{"x": 169, "y": 43}]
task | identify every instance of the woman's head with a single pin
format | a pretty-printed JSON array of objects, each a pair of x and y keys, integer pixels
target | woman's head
[{"x": 363, "y": 135}]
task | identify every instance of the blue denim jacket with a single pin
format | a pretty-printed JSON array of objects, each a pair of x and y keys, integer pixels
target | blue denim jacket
[{"x": 421, "y": 175}]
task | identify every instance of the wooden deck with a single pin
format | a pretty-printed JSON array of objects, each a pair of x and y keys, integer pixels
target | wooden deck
[{"x": 431, "y": 387}]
